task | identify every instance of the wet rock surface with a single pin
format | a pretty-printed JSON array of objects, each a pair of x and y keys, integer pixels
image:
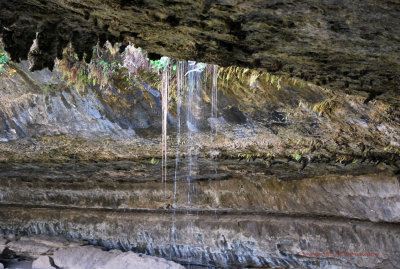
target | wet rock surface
[
  {"x": 223, "y": 240},
  {"x": 242, "y": 215},
  {"x": 65, "y": 126},
  {"x": 363, "y": 193},
  {"x": 338, "y": 44},
  {"x": 279, "y": 184}
]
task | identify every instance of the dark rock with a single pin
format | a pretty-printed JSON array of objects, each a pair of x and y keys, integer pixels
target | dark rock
[
  {"x": 346, "y": 44},
  {"x": 234, "y": 115}
]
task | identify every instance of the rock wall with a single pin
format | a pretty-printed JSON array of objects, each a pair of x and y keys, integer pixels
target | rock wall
[
  {"x": 223, "y": 240},
  {"x": 280, "y": 186},
  {"x": 43, "y": 119}
]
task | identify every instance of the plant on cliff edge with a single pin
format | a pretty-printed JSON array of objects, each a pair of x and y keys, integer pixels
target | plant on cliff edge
[
  {"x": 3, "y": 60},
  {"x": 326, "y": 107}
]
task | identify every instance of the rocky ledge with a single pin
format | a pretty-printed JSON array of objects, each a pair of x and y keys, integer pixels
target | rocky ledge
[
  {"x": 350, "y": 44},
  {"x": 45, "y": 252},
  {"x": 228, "y": 215}
]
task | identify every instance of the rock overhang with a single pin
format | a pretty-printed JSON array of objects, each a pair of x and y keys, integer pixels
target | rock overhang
[{"x": 350, "y": 45}]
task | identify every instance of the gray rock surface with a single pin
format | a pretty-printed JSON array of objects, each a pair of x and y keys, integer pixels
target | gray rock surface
[
  {"x": 3, "y": 242},
  {"x": 52, "y": 252},
  {"x": 27, "y": 111},
  {"x": 39, "y": 245},
  {"x": 43, "y": 262},
  {"x": 358, "y": 191},
  {"x": 222, "y": 239},
  {"x": 89, "y": 257}
]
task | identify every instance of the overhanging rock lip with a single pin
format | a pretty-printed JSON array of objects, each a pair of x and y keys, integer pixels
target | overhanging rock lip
[{"x": 330, "y": 44}]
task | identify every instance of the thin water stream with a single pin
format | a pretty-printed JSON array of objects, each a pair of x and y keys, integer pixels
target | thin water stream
[{"x": 189, "y": 110}]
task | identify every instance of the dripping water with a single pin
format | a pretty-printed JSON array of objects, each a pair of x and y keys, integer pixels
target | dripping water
[
  {"x": 164, "y": 101},
  {"x": 189, "y": 77},
  {"x": 214, "y": 119},
  {"x": 193, "y": 114},
  {"x": 179, "y": 90},
  {"x": 214, "y": 98}
]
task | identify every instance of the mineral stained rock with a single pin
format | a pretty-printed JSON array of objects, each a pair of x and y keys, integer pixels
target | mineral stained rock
[
  {"x": 348, "y": 44},
  {"x": 63, "y": 125}
]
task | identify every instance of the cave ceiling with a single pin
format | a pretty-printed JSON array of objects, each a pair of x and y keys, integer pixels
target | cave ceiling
[{"x": 352, "y": 45}]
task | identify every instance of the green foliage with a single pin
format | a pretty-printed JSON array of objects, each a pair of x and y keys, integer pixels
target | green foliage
[
  {"x": 234, "y": 75},
  {"x": 47, "y": 89},
  {"x": 108, "y": 67},
  {"x": 3, "y": 60},
  {"x": 99, "y": 72},
  {"x": 246, "y": 156},
  {"x": 297, "y": 157},
  {"x": 160, "y": 64},
  {"x": 296, "y": 81},
  {"x": 154, "y": 161},
  {"x": 271, "y": 79}
]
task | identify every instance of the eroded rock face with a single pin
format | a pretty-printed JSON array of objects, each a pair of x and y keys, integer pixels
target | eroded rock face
[
  {"x": 229, "y": 214},
  {"x": 352, "y": 45},
  {"x": 244, "y": 240},
  {"x": 278, "y": 185},
  {"x": 51, "y": 252},
  {"x": 62, "y": 125},
  {"x": 363, "y": 193}
]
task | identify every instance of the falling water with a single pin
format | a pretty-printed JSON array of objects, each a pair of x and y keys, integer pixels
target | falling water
[
  {"x": 164, "y": 98},
  {"x": 189, "y": 78},
  {"x": 193, "y": 113},
  {"x": 214, "y": 110},
  {"x": 214, "y": 98},
  {"x": 179, "y": 90}
]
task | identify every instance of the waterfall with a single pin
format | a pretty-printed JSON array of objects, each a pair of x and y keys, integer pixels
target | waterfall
[
  {"x": 193, "y": 103},
  {"x": 193, "y": 114},
  {"x": 180, "y": 78},
  {"x": 214, "y": 98},
  {"x": 214, "y": 119},
  {"x": 164, "y": 101},
  {"x": 189, "y": 86},
  {"x": 180, "y": 82}
]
